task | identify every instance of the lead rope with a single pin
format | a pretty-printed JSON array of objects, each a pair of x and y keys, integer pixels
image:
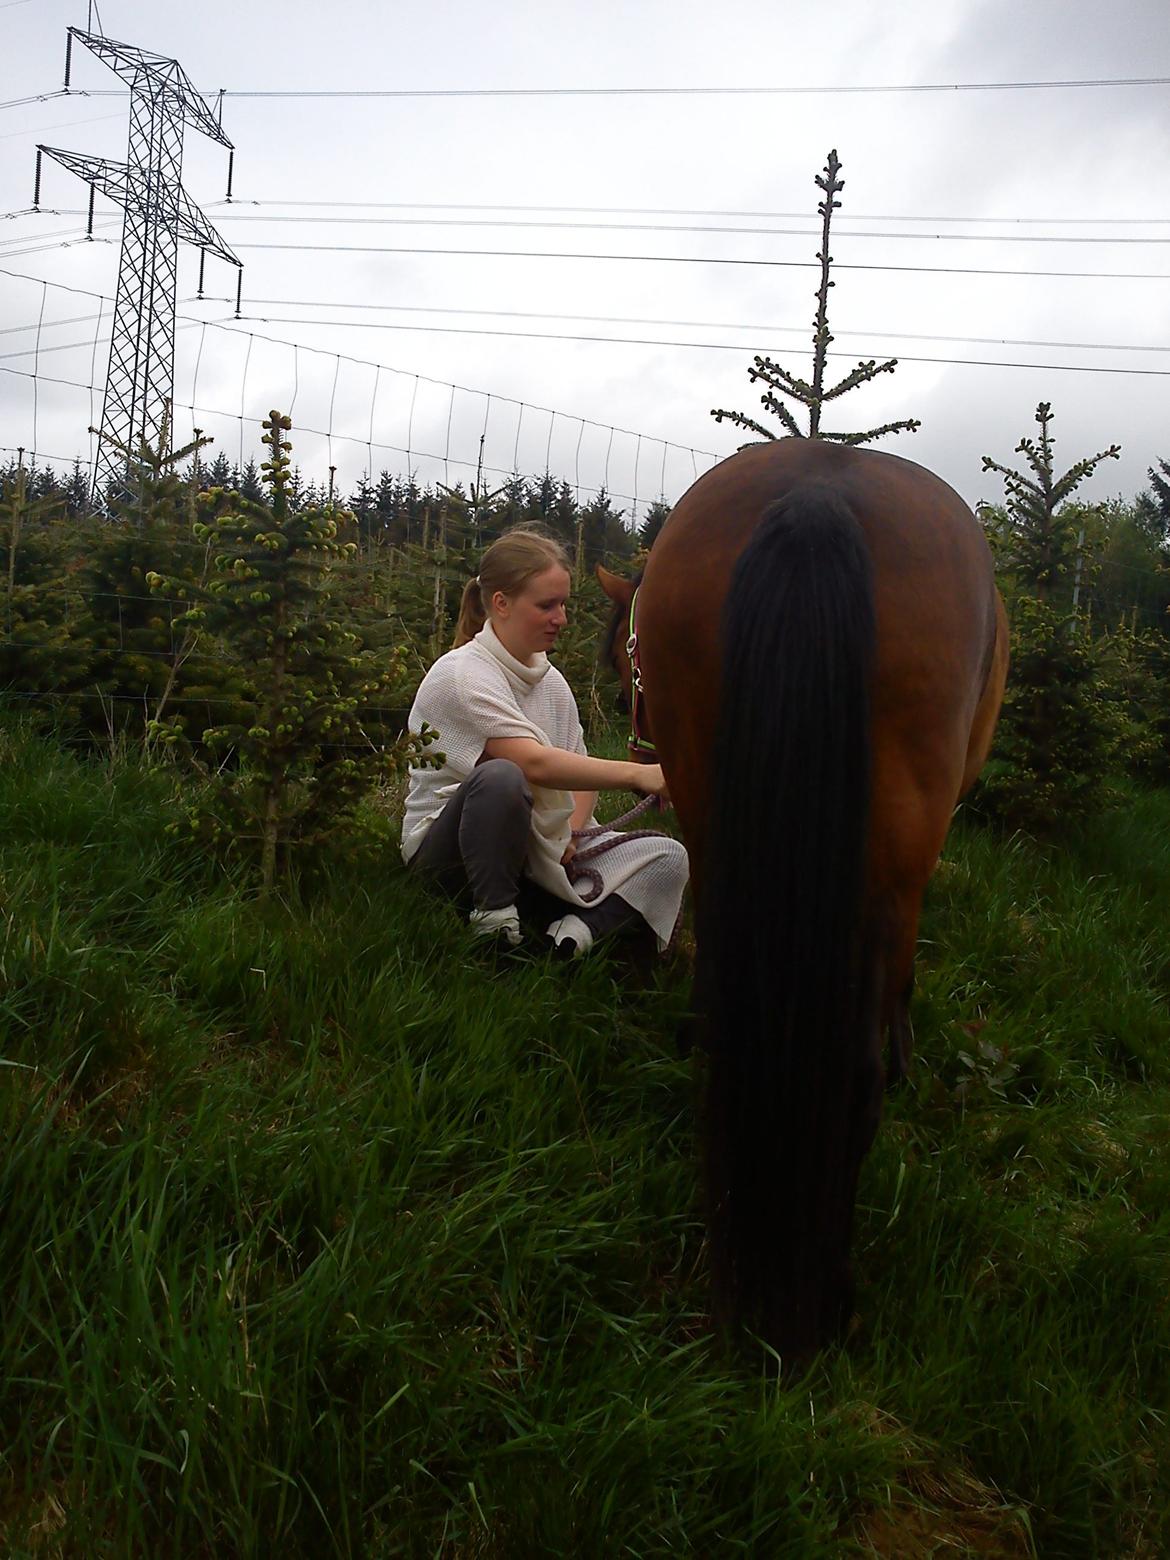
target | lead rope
[{"x": 579, "y": 868}]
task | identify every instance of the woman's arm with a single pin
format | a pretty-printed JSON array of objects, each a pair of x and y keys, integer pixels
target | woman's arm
[
  {"x": 583, "y": 804},
  {"x": 564, "y": 771}
]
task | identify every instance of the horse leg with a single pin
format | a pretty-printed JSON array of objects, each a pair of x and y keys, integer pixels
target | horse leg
[
  {"x": 912, "y": 841},
  {"x": 902, "y": 930},
  {"x": 987, "y": 712},
  {"x": 900, "y": 1029}
]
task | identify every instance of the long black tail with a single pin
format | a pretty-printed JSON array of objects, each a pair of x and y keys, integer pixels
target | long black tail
[{"x": 784, "y": 974}]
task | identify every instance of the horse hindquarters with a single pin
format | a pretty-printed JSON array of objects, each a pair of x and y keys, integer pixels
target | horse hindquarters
[
  {"x": 784, "y": 962},
  {"x": 920, "y": 794}
]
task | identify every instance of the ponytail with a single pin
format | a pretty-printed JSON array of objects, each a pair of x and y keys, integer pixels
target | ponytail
[{"x": 471, "y": 613}]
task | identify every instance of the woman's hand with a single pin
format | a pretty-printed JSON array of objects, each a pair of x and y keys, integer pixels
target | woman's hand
[{"x": 650, "y": 781}]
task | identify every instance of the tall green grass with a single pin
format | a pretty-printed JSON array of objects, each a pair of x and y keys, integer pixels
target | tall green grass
[{"x": 322, "y": 1236}]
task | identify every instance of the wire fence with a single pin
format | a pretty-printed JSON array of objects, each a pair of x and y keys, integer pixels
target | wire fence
[{"x": 351, "y": 416}]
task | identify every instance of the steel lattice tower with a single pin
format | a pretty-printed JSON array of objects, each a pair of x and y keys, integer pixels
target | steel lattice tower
[{"x": 149, "y": 188}]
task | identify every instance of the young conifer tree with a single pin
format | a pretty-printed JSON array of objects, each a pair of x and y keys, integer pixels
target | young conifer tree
[
  {"x": 1060, "y": 728},
  {"x": 137, "y": 658},
  {"x": 813, "y": 394},
  {"x": 302, "y": 759},
  {"x": 1159, "y": 476},
  {"x": 36, "y": 655}
]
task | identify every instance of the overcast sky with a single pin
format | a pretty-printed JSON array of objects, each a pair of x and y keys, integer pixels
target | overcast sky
[{"x": 942, "y": 187}]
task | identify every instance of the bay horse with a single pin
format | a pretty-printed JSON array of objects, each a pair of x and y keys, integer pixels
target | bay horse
[{"x": 822, "y": 652}]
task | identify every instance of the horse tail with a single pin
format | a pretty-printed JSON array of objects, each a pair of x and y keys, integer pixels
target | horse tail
[{"x": 784, "y": 974}]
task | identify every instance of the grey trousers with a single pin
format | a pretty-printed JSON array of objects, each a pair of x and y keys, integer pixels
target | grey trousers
[{"x": 476, "y": 848}]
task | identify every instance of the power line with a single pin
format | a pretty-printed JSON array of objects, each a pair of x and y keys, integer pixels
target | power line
[
  {"x": 628, "y": 211},
  {"x": 546, "y": 254},
  {"x": 189, "y": 321},
  {"x": 40, "y": 249},
  {"x": 623, "y": 319},
  {"x": 669, "y": 92},
  {"x": 658, "y": 227},
  {"x": 672, "y": 227},
  {"x": 703, "y": 346},
  {"x": 678, "y": 211},
  {"x": 66, "y": 233},
  {"x": 61, "y": 124},
  {"x": 44, "y": 97},
  {"x": 799, "y": 265}
]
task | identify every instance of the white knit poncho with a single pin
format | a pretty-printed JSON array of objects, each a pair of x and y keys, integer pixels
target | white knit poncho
[{"x": 481, "y": 691}]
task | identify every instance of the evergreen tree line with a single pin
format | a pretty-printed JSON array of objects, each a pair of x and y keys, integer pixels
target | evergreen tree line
[
  {"x": 85, "y": 640},
  {"x": 97, "y": 632},
  {"x": 391, "y": 509}
]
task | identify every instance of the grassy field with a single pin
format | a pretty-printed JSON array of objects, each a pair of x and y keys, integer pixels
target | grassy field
[{"x": 323, "y": 1237}]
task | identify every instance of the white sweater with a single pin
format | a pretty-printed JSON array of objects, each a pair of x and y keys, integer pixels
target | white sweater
[{"x": 481, "y": 691}]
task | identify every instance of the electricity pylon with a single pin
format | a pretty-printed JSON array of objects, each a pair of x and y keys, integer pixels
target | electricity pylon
[{"x": 148, "y": 187}]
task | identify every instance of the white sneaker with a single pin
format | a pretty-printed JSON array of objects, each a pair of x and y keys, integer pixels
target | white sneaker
[
  {"x": 504, "y": 924},
  {"x": 570, "y": 937}
]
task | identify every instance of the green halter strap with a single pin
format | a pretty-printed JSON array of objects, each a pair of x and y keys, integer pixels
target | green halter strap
[{"x": 638, "y": 743}]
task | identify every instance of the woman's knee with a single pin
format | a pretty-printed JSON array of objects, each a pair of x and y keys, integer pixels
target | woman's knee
[
  {"x": 501, "y": 778},
  {"x": 673, "y": 856}
]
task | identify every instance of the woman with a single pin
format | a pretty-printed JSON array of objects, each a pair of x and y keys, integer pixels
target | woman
[{"x": 496, "y": 821}]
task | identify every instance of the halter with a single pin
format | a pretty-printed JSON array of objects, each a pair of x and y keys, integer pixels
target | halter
[{"x": 637, "y": 743}]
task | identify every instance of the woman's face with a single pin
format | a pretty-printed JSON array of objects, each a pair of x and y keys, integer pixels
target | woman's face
[{"x": 530, "y": 621}]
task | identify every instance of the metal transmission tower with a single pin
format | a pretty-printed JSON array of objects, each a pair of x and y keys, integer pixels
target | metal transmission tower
[{"x": 158, "y": 214}]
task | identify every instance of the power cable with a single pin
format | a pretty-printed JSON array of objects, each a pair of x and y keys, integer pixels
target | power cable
[
  {"x": 797, "y": 265},
  {"x": 545, "y": 254},
  {"x": 356, "y": 93},
  {"x": 676, "y": 211},
  {"x": 40, "y": 249},
  {"x": 61, "y": 124},
  {"x": 703, "y": 346},
  {"x": 189, "y": 322},
  {"x": 596, "y": 319},
  {"x": 663, "y": 227},
  {"x": 234, "y": 215},
  {"x": 45, "y": 97},
  {"x": 624, "y": 319},
  {"x": 70, "y": 234}
]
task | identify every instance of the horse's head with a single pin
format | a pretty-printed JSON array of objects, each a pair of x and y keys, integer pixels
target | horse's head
[
  {"x": 614, "y": 653},
  {"x": 612, "y": 650}
]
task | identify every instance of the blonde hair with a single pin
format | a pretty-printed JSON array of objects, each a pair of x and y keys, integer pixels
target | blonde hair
[{"x": 507, "y": 566}]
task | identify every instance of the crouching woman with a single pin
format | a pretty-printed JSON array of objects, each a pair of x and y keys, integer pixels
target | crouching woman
[{"x": 493, "y": 826}]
